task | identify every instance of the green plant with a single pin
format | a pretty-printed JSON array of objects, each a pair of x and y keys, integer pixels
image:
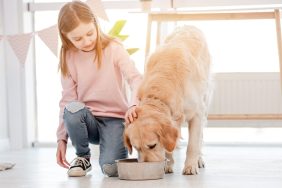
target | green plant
[{"x": 115, "y": 32}]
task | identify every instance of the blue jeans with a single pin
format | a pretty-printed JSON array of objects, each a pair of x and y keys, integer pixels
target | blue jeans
[{"x": 84, "y": 128}]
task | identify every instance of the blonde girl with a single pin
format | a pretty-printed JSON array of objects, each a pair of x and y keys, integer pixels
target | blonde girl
[{"x": 94, "y": 105}]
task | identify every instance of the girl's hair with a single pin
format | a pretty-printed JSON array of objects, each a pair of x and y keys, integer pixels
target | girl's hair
[{"x": 70, "y": 16}]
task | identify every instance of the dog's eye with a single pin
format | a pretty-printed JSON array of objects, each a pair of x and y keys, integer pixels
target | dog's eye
[{"x": 152, "y": 146}]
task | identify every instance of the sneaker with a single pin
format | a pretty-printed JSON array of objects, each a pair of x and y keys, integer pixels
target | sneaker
[
  {"x": 110, "y": 170},
  {"x": 79, "y": 167}
]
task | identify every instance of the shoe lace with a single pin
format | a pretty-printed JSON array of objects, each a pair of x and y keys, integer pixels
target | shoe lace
[{"x": 79, "y": 161}]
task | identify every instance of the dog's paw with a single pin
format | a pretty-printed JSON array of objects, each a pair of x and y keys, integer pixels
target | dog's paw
[
  {"x": 168, "y": 169},
  {"x": 191, "y": 169},
  {"x": 201, "y": 163}
]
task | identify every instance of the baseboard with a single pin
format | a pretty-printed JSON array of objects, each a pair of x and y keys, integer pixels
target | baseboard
[{"x": 4, "y": 144}]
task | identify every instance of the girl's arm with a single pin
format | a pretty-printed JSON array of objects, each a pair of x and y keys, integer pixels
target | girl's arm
[
  {"x": 129, "y": 71},
  {"x": 69, "y": 94}
]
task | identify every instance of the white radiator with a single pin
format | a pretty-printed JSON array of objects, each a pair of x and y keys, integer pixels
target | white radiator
[{"x": 246, "y": 93}]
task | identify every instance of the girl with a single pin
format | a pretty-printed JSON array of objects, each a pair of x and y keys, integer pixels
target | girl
[{"x": 94, "y": 103}]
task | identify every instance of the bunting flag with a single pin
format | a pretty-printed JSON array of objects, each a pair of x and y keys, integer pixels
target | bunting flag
[
  {"x": 20, "y": 45},
  {"x": 98, "y": 9},
  {"x": 50, "y": 37}
]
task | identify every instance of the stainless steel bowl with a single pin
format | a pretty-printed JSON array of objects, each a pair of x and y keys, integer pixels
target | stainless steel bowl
[{"x": 131, "y": 169}]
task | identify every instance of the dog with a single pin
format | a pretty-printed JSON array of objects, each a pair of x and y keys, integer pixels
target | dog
[{"x": 175, "y": 89}]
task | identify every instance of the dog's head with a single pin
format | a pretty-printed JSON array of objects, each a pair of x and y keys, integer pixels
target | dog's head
[{"x": 151, "y": 134}]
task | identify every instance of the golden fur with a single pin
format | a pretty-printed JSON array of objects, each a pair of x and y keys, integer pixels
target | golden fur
[{"x": 175, "y": 89}]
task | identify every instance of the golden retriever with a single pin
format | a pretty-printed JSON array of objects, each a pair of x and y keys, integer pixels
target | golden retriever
[{"x": 175, "y": 89}]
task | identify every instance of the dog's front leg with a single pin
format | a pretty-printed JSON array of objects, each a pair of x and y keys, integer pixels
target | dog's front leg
[
  {"x": 169, "y": 162},
  {"x": 193, "y": 154}
]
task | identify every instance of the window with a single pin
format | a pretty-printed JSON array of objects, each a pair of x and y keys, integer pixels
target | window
[
  {"x": 47, "y": 81},
  {"x": 241, "y": 46}
]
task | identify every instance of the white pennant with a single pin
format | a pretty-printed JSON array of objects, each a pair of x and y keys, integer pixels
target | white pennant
[
  {"x": 98, "y": 9},
  {"x": 50, "y": 37},
  {"x": 20, "y": 45}
]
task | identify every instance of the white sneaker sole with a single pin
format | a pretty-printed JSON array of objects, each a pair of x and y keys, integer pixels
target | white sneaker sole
[{"x": 78, "y": 172}]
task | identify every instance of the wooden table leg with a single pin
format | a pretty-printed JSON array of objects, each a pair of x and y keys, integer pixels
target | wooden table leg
[
  {"x": 158, "y": 37},
  {"x": 148, "y": 37},
  {"x": 279, "y": 41}
]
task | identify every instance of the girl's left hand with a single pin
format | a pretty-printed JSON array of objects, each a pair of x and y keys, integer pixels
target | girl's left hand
[{"x": 130, "y": 115}]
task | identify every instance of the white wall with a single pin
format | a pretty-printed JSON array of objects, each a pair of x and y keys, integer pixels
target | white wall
[
  {"x": 4, "y": 141},
  {"x": 13, "y": 126}
]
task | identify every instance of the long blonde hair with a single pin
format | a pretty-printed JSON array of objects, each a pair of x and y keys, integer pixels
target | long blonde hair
[{"x": 70, "y": 16}]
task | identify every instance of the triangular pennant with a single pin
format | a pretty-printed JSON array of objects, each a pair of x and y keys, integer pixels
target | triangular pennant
[
  {"x": 98, "y": 8},
  {"x": 20, "y": 45},
  {"x": 50, "y": 37}
]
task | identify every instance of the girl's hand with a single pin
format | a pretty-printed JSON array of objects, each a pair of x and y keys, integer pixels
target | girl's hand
[
  {"x": 61, "y": 154},
  {"x": 130, "y": 115}
]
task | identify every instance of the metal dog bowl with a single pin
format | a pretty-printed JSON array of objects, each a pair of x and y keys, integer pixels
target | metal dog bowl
[{"x": 131, "y": 169}]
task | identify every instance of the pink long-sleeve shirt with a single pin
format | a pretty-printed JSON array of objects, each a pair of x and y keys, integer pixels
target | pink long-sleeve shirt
[{"x": 101, "y": 90}]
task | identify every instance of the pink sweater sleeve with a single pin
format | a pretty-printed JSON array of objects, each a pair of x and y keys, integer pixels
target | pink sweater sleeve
[
  {"x": 69, "y": 93},
  {"x": 129, "y": 71}
]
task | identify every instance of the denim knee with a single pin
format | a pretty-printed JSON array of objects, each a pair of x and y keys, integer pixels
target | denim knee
[{"x": 72, "y": 115}]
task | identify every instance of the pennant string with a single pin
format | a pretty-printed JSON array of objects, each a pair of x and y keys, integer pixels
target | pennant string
[{"x": 20, "y": 43}]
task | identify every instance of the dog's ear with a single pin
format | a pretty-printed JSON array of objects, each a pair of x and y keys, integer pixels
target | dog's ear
[
  {"x": 168, "y": 136},
  {"x": 126, "y": 141}
]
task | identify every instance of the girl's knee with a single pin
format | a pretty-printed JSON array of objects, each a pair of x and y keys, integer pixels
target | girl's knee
[
  {"x": 74, "y": 106},
  {"x": 73, "y": 113}
]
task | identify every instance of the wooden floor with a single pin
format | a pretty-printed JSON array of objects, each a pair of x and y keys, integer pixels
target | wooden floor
[{"x": 226, "y": 167}]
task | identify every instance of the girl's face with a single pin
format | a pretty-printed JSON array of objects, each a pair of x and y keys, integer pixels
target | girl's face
[{"x": 83, "y": 37}]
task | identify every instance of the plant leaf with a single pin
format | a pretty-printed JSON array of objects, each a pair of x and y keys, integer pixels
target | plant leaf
[
  {"x": 122, "y": 37},
  {"x": 115, "y": 32},
  {"x": 132, "y": 50},
  {"x": 116, "y": 29}
]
